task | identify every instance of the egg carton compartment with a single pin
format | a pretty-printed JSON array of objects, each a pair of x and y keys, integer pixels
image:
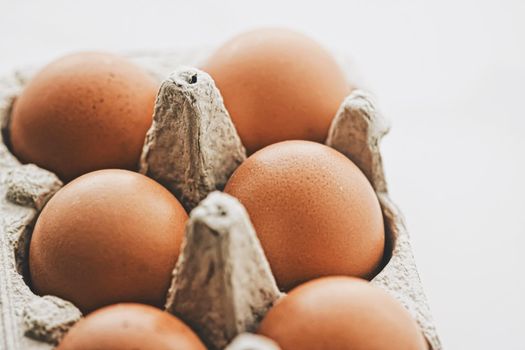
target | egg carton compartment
[{"x": 222, "y": 283}]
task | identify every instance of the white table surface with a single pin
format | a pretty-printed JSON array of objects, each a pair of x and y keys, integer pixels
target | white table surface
[{"x": 450, "y": 75}]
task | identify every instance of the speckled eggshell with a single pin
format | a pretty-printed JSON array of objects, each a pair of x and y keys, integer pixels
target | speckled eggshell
[
  {"x": 278, "y": 85},
  {"x": 84, "y": 112},
  {"x": 108, "y": 236},
  {"x": 314, "y": 212},
  {"x": 130, "y": 326},
  {"x": 339, "y": 313}
]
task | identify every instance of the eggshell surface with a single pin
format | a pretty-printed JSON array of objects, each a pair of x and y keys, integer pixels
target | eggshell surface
[
  {"x": 130, "y": 326},
  {"x": 314, "y": 212},
  {"x": 278, "y": 85},
  {"x": 83, "y": 112},
  {"x": 341, "y": 313},
  {"x": 108, "y": 236}
]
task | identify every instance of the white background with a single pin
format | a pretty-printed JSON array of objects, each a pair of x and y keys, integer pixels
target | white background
[{"x": 450, "y": 76}]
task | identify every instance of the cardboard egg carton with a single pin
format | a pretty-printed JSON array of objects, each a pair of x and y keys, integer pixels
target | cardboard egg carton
[{"x": 222, "y": 284}]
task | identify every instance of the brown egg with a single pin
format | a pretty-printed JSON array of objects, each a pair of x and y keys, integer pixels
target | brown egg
[
  {"x": 341, "y": 313},
  {"x": 130, "y": 326},
  {"x": 108, "y": 236},
  {"x": 84, "y": 112},
  {"x": 314, "y": 212},
  {"x": 278, "y": 85}
]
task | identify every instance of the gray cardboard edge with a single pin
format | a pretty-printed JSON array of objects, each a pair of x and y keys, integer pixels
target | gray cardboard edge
[{"x": 356, "y": 131}]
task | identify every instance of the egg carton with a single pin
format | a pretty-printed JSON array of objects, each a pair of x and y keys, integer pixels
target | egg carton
[{"x": 222, "y": 284}]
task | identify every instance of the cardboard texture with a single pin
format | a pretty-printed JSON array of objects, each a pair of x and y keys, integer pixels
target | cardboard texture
[{"x": 222, "y": 284}]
